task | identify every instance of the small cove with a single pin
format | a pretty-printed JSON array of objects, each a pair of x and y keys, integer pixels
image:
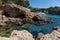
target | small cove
[{"x": 45, "y": 28}]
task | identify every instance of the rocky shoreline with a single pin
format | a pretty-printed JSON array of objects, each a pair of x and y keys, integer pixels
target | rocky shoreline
[
  {"x": 14, "y": 12},
  {"x": 54, "y": 35},
  {"x": 25, "y": 35}
]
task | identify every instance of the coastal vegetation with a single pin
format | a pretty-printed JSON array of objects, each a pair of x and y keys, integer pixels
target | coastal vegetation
[
  {"x": 51, "y": 10},
  {"x": 54, "y": 10},
  {"x": 24, "y": 3},
  {"x": 6, "y": 32}
]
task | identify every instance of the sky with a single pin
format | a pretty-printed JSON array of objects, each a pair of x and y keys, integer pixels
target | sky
[{"x": 44, "y": 3}]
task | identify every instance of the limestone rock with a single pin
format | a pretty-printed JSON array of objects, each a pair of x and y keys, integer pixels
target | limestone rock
[
  {"x": 21, "y": 35},
  {"x": 4, "y": 38}
]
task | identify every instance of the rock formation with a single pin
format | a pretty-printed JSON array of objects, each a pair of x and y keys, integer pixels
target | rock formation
[
  {"x": 55, "y": 35},
  {"x": 21, "y": 35},
  {"x": 16, "y": 11}
]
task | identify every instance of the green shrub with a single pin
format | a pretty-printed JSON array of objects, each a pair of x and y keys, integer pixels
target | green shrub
[{"x": 8, "y": 31}]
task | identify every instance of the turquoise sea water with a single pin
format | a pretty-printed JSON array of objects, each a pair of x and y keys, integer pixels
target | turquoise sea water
[{"x": 45, "y": 28}]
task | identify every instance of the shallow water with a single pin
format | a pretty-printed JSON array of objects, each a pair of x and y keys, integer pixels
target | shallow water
[{"x": 45, "y": 28}]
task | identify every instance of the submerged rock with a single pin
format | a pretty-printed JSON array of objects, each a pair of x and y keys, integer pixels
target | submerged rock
[{"x": 55, "y": 35}]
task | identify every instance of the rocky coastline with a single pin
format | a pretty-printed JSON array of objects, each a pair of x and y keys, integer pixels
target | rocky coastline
[
  {"x": 12, "y": 14},
  {"x": 15, "y": 12},
  {"x": 25, "y": 35}
]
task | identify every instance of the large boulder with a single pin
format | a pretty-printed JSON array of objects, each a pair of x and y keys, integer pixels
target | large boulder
[
  {"x": 10, "y": 10},
  {"x": 21, "y": 35},
  {"x": 41, "y": 19}
]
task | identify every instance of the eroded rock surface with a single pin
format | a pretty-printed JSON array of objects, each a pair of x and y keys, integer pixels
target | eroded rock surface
[{"x": 21, "y": 35}]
